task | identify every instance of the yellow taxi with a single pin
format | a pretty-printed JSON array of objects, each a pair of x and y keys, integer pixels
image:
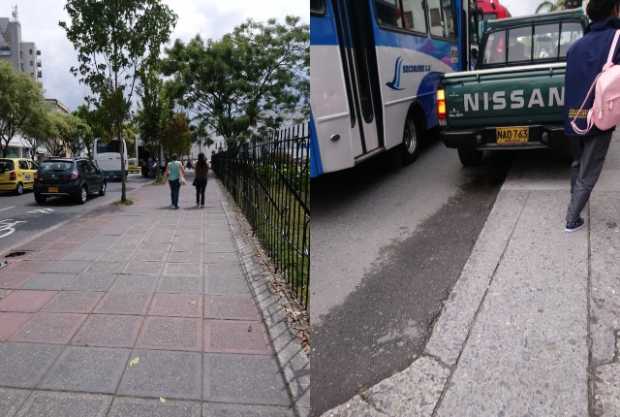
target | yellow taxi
[{"x": 17, "y": 174}]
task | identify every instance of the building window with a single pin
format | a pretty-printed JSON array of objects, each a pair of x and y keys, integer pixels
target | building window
[{"x": 30, "y": 51}]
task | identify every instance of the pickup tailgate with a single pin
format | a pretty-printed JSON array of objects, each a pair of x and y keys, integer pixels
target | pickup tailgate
[{"x": 517, "y": 96}]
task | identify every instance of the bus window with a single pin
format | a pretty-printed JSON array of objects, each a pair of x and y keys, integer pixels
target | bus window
[
  {"x": 495, "y": 51},
  {"x": 112, "y": 147},
  {"x": 546, "y": 38},
  {"x": 413, "y": 15},
  {"x": 571, "y": 31},
  {"x": 441, "y": 16},
  {"x": 388, "y": 13},
  {"x": 520, "y": 44},
  {"x": 317, "y": 7}
]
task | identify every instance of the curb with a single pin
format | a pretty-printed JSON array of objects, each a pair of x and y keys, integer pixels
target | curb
[
  {"x": 89, "y": 210},
  {"x": 291, "y": 357}
]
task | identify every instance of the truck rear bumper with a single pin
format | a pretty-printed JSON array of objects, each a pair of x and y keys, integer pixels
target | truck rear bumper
[{"x": 540, "y": 137}]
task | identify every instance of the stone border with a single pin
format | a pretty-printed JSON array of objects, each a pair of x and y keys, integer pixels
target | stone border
[{"x": 291, "y": 356}]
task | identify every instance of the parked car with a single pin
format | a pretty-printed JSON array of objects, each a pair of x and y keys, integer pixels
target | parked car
[
  {"x": 17, "y": 174},
  {"x": 515, "y": 98},
  {"x": 75, "y": 178}
]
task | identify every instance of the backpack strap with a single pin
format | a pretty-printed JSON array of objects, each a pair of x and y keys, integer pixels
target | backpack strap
[
  {"x": 573, "y": 122},
  {"x": 612, "y": 51}
]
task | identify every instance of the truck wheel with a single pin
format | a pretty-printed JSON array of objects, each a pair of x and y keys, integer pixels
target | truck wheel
[
  {"x": 470, "y": 157},
  {"x": 411, "y": 141}
]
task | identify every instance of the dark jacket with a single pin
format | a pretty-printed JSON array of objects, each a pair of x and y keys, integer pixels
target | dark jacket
[
  {"x": 201, "y": 172},
  {"x": 584, "y": 61}
]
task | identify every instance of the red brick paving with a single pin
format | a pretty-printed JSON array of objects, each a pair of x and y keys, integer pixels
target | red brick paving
[
  {"x": 11, "y": 323},
  {"x": 227, "y": 336},
  {"x": 176, "y": 305},
  {"x": 231, "y": 307},
  {"x": 55, "y": 328},
  {"x": 73, "y": 302},
  {"x": 124, "y": 303},
  {"x": 26, "y": 301},
  {"x": 108, "y": 330},
  {"x": 171, "y": 333}
]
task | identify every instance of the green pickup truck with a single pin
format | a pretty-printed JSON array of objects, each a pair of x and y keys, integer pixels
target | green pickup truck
[{"x": 514, "y": 98}]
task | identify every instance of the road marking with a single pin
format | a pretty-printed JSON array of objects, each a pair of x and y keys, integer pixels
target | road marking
[
  {"x": 41, "y": 211},
  {"x": 8, "y": 227},
  {"x": 7, "y": 208}
]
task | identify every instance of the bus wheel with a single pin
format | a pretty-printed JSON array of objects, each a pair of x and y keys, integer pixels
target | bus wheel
[
  {"x": 411, "y": 141},
  {"x": 470, "y": 157}
]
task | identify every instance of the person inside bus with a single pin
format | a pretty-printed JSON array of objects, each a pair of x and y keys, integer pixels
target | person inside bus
[
  {"x": 200, "y": 181},
  {"x": 175, "y": 174},
  {"x": 585, "y": 60}
]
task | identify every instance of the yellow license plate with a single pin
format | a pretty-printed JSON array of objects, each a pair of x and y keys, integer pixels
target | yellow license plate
[
  {"x": 512, "y": 135},
  {"x": 52, "y": 189}
]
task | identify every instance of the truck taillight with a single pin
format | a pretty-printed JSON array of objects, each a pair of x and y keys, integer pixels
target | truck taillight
[
  {"x": 12, "y": 176},
  {"x": 441, "y": 104}
]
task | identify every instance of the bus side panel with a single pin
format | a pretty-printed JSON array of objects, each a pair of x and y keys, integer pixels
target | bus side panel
[
  {"x": 338, "y": 142},
  {"x": 316, "y": 165},
  {"x": 404, "y": 74}
]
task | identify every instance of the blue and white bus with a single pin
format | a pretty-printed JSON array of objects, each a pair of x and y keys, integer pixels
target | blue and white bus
[{"x": 374, "y": 67}]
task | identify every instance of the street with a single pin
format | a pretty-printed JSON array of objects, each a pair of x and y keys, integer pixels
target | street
[
  {"x": 21, "y": 217},
  {"x": 392, "y": 243}
]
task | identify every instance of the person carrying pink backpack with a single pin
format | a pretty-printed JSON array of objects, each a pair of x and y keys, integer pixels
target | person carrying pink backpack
[{"x": 585, "y": 61}]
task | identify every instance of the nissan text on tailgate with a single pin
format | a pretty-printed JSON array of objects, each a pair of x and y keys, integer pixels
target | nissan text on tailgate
[{"x": 515, "y": 97}]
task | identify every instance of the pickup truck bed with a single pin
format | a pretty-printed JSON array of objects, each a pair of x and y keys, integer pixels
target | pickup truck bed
[{"x": 504, "y": 109}]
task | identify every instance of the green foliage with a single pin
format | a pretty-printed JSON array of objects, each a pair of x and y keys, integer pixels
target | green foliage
[
  {"x": 176, "y": 135},
  {"x": 114, "y": 39},
  {"x": 248, "y": 81},
  {"x": 21, "y": 106}
]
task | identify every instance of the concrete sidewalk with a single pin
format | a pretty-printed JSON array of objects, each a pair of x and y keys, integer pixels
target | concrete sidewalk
[
  {"x": 136, "y": 311},
  {"x": 531, "y": 327}
]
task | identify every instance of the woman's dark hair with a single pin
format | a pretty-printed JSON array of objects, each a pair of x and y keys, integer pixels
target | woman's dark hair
[
  {"x": 598, "y": 10},
  {"x": 202, "y": 160},
  {"x": 174, "y": 157}
]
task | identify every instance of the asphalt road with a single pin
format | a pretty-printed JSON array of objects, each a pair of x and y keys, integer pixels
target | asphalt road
[
  {"x": 21, "y": 217},
  {"x": 388, "y": 244}
]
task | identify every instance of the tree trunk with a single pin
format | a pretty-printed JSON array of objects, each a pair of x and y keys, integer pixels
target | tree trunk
[{"x": 123, "y": 182}]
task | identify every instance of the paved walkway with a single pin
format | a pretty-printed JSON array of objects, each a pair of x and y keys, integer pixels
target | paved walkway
[
  {"x": 532, "y": 328},
  {"x": 136, "y": 311}
]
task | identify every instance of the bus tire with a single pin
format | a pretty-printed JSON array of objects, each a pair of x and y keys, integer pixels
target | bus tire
[
  {"x": 470, "y": 157},
  {"x": 411, "y": 140}
]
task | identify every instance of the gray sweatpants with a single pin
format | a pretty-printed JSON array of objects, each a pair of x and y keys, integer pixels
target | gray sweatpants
[{"x": 589, "y": 154}]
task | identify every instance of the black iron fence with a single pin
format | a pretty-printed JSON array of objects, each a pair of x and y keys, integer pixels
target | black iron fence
[{"x": 270, "y": 181}]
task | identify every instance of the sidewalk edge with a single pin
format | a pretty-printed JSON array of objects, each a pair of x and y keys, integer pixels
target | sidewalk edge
[{"x": 291, "y": 357}]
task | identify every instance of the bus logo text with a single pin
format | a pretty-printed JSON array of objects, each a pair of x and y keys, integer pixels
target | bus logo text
[{"x": 400, "y": 68}]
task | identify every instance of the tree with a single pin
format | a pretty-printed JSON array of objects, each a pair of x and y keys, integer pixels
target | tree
[
  {"x": 58, "y": 131},
  {"x": 549, "y": 6},
  {"x": 176, "y": 135},
  {"x": 93, "y": 119},
  {"x": 114, "y": 39},
  {"x": 20, "y": 104},
  {"x": 37, "y": 131},
  {"x": 249, "y": 80}
]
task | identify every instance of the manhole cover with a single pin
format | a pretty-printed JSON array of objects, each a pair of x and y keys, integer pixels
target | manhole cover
[{"x": 15, "y": 254}]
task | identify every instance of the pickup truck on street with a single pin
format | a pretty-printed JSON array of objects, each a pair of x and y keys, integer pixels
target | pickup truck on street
[{"x": 515, "y": 97}]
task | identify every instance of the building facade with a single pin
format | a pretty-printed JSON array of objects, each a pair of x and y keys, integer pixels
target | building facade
[{"x": 23, "y": 56}]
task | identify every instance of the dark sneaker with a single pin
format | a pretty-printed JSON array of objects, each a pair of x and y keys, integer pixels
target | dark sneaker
[{"x": 574, "y": 226}]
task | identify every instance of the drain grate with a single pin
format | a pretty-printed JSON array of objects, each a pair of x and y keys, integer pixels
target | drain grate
[{"x": 15, "y": 254}]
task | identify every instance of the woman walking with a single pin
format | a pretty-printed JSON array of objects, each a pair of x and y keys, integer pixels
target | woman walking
[
  {"x": 200, "y": 181},
  {"x": 175, "y": 174},
  {"x": 585, "y": 60}
]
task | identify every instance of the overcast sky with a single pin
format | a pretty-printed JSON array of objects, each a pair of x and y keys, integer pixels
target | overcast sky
[{"x": 209, "y": 18}]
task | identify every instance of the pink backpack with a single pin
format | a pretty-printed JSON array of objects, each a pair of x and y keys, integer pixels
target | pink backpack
[{"x": 605, "y": 113}]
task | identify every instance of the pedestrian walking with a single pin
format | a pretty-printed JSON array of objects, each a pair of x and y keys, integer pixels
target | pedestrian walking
[
  {"x": 585, "y": 60},
  {"x": 176, "y": 175},
  {"x": 201, "y": 173}
]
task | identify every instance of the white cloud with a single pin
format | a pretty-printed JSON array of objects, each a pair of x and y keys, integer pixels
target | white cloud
[{"x": 209, "y": 18}]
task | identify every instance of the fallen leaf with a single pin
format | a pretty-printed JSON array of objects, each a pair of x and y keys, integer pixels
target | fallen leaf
[
  {"x": 162, "y": 400},
  {"x": 134, "y": 361}
]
